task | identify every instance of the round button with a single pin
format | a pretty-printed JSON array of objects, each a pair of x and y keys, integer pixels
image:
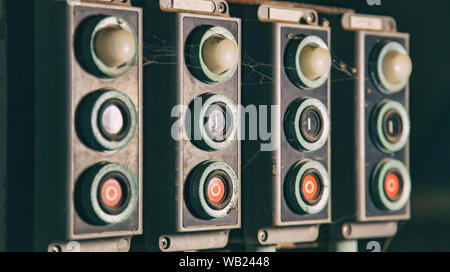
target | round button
[
  {"x": 392, "y": 126},
  {"x": 215, "y": 126},
  {"x": 389, "y": 126},
  {"x": 106, "y": 120},
  {"x": 107, "y": 194},
  {"x": 216, "y": 122},
  {"x": 216, "y": 190},
  {"x": 107, "y": 46},
  {"x": 307, "y": 187},
  {"x": 390, "y": 66},
  {"x": 111, "y": 193},
  {"x": 213, "y": 190},
  {"x": 212, "y": 54},
  {"x": 115, "y": 46},
  {"x": 392, "y": 186},
  {"x": 112, "y": 119},
  {"x": 307, "y": 124},
  {"x": 310, "y": 187},
  {"x": 220, "y": 54},
  {"x": 311, "y": 124},
  {"x": 307, "y": 62},
  {"x": 315, "y": 61},
  {"x": 397, "y": 66}
]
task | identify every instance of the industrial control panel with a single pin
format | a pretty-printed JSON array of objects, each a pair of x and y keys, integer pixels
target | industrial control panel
[{"x": 201, "y": 125}]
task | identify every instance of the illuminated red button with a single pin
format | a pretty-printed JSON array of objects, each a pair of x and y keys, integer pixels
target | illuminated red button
[
  {"x": 111, "y": 193},
  {"x": 310, "y": 187},
  {"x": 391, "y": 185},
  {"x": 216, "y": 190}
]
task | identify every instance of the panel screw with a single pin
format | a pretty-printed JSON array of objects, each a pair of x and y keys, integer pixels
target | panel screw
[
  {"x": 164, "y": 243},
  {"x": 310, "y": 18},
  {"x": 346, "y": 230},
  {"x": 262, "y": 235},
  {"x": 123, "y": 245},
  {"x": 56, "y": 249},
  {"x": 222, "y": 7}
]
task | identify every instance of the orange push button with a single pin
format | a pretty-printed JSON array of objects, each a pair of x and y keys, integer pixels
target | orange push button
[
  {"x": 216, "y": 190},
  {"x": 310, "y": 187},
  {"x": 391, "y": 186},
  {"x": 111, "y": 193}
]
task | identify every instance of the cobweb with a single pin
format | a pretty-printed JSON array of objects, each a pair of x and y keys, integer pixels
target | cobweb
[{"x": 158, "y": 51}]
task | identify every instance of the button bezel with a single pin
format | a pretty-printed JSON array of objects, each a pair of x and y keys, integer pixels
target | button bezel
[
  {"x": 197, "y": 193},
  {"x": 89, "y": 124},
  {"x": 194, "y": 54},
  {"x": 376, "y": 67},
  {"x": 199, "y": 127},
  {"x": 91, "y": 181},
  {"x": 292, "y": 124},
  {"x": 378, "y": 194},
  {"x": 377, "y": 126},
  {"x": 87, "y": 46},
  {"x": 293, "y": 189},
  {"x": 292, "y": 62}
]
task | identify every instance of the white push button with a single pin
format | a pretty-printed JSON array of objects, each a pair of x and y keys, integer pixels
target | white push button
[
  {"x": 315, "y": 61},
  {"x": 219, "y": 54},
  {"x": 114, "y": 46},
  {"x": 112, "y": 120},
  {"x": 397, "y": 66}
]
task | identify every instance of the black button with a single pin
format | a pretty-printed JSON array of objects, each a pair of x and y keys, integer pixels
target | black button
[
  {"x": 392, "y": 126},
  {"x": 311, "y": 124}
]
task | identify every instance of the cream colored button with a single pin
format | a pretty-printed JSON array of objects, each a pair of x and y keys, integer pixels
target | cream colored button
[
  {"x": 219, "y": 54},
  {"x": 315, "y": 61},
  {"x": 114, "y": 46},
  {"x": 397, "y": 66},
  {"x": 112, "y": 119}
]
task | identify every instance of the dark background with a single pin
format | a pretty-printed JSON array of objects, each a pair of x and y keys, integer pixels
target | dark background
[{"x": 428, "y": 23}]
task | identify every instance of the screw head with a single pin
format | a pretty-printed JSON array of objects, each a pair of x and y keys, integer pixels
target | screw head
[
  {"x": 56, "y": 249},
  {"x": 262, "y": 235},
  {"x": 164, "y": 243},
  {"x": 346, "y": 230},
  {"x": 123, "y": 245},
  {"x": 313, "y": 231},
  {"x": 310, "y": 18},
  {"x": 325, "y": 23},
  {"x": 222, "y": 7}
]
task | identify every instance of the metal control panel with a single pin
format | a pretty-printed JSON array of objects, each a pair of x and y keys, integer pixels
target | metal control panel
[
  {"x": 286, "y": 67},
  {"x": 192, "y": 160}
]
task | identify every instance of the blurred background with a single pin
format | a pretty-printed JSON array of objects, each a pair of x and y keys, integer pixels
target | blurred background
[{"x": 428, "y": 24}]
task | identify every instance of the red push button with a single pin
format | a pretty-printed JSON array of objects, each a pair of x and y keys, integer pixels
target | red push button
[
  {"x": 310, "y": 187},
  {"x": 391, "y": 185},
  {"x": 111, "y": 193},
  {"x": 216, "y": 190}
]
